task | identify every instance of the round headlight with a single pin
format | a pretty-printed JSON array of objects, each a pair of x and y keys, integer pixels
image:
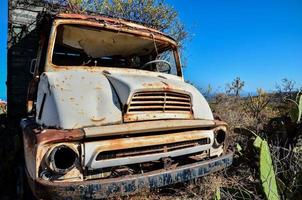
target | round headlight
[
  {"x": 62, "y": 159},
  {"x": 219, "y": 136}
]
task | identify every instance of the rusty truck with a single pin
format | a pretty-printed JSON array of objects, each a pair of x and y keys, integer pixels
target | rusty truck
[{"x": 104, "y": 109}]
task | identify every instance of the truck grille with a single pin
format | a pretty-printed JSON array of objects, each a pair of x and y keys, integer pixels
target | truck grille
[
  {"x": 161, "y": 101},
  {"x": 151, "y": 149}
]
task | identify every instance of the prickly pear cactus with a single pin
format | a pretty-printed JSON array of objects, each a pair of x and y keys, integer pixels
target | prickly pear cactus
[
  {"x": 296, "y": 111},
  {"x": 298, "y": 145},
  {"x": 267, "y": 174}
]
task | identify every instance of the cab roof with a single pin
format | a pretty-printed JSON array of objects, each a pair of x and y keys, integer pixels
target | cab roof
[{"x": 122, "y": 23}]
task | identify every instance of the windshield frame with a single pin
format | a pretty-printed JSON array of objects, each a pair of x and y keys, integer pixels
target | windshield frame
[{"x": 49, "y": 66}]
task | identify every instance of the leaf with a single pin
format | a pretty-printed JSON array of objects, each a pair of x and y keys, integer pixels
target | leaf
[
  {"x": 296, "y": 112},
  {"x": 239, "y": 149},
  {"x": 257, "y": 142},
  {"x": 267, "y": 174},
  {"x": 217, "y": 194},
  {"x": 298, "y": 96},
  {"x": 299, "y": 108}
]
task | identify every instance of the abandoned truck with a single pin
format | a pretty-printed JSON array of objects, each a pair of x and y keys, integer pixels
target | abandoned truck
[{"x": 109, "y": 112}]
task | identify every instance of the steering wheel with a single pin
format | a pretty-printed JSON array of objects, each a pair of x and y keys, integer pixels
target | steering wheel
[{"x": 158, "y": 61}]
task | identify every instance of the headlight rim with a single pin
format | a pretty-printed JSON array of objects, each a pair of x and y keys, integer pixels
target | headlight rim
[
  {"x": 50, "y": 162},
  {"x": 220, "y": 135}
]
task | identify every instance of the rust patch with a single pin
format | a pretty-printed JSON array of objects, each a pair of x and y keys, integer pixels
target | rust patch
[
  {"x": 53, "y": 136},
  {"x": 143, "y": 141},
  {"x": 220, "y": 123},
  {"x": 104, "y": 188},
  {"x": 113, "y": 24},
  {"x": 110, "y": 20},
  {"x": 165, "y": 104}
]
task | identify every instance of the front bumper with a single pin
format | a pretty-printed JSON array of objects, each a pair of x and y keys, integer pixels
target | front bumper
[{"x": 103, "y": 188}]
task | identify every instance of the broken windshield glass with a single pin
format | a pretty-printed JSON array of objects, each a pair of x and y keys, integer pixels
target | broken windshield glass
[{"x": 78, "y": 45}]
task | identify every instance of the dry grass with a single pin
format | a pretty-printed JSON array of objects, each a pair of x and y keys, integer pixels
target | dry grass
[{"x": 240, "y": 181}]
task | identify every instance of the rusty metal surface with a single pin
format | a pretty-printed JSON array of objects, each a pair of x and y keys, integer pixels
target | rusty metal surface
[
  {"x": 95, "y": 189},
  {"x": 66, "y": 104},
  {"x": 54, "y": 136},
  {"x": 127, "y": 84},
  {"x": 38, "y": 136},
  {"x": 30, "y": 150},
  {"x": 81, "y": 98},
  {"x": 36, "y": 139},
  {"x": 76, "y": 99},
  {"x": 164, "y": 101},
  {"x": 88, "y": 109},
  {"x": 158, "y": 105},
  {"x": 140, "y": 141},
  {"x": 142, "y": 33},
  {"x": 37, "y": 142},
  {"x": 220, "y": 123},
  {"x": 163, "y": 148},
  {"x": 146, "y": 157},
  {"x": 122, "y": 23},
  {"x": 92, "y": 149},
  {"x": 132, "y": 117},
  {"x": 146, "y": 127}
]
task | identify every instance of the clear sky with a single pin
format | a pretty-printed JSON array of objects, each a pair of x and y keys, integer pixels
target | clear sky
[
  {"x": 3, "y": 38},
  {"x": 258, "y": 40}
]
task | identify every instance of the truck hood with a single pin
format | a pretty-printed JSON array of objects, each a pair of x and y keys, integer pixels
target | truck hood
[
  {"x": 81, "y": 98},
  {"x": 127, "y": 84}
]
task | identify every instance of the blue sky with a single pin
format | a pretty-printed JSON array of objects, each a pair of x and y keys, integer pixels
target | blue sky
[
  {"x": 3, "y": 38},
  {"x": 259, "y": 41}
]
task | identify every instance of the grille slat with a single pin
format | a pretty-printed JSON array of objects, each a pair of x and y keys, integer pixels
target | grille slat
[
  {"x": 161, "y": 101},
  {"x": 151, "y": 149}
]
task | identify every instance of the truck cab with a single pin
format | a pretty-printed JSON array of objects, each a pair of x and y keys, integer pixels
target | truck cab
[{"x": 109, "y": 112}]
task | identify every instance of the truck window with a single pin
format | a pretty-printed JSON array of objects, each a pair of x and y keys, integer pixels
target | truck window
[{"x": 78, "y": 45}]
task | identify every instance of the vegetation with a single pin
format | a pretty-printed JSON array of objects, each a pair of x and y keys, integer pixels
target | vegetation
[
  {"x": 235, "y": 87},
  {"x": 268, "y": 157},
  {"x": 2, "y": 107},
  {"x": 272, "y": 170},
  {"x": 266, "y": 169},
  {"x": 152, "y": 13}
]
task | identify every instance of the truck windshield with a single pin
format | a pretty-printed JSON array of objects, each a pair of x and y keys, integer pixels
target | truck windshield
[{"x": 78, "y": 45}]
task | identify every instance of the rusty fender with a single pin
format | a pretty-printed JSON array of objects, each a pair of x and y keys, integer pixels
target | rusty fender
[
  {"x": 34, "y": 138},
  {"x": 103, "y": 188},
  {"x": 44, "y": 136}
]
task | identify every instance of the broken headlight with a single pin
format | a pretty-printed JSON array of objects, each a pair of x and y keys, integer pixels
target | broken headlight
[
  {"x": 220, "y": 135},
  {"x": 62, "y": 158}
]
